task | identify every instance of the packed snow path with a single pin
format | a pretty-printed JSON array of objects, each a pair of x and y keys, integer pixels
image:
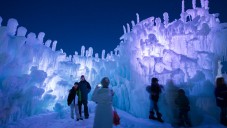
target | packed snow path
[{"x": 52, "y": 120}]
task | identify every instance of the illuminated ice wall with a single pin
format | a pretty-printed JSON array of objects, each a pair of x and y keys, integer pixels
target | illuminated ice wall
[{"x": 183, "y": 54}]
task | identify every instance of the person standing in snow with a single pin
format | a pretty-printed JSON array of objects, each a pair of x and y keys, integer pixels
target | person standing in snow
[
  {"x": 85, "y": 88},
  {"x": 221, "y": 99},
  {"x": 182, "y": 103},
  {"x": 73, "y": 98},
  {"x": 102, "y": 95},
  {"x": 155, "y": 90}
]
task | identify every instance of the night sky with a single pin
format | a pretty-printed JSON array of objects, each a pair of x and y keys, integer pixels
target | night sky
[{"x": 94, "y": 23}]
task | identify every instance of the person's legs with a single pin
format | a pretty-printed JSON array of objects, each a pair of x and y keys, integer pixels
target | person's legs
[
  {"x": 159, "y": 115},
  {"x": 86, "y": 114},
  {"x": 186, "y": 118},
  {"x": 77, "y": 112},
  {"x": 72, "y": 110},
  {"x": 181, "y": 118},
  {"x": 223, "y": 118},
  {"x": 151, "y": 115},
  {"x": 80, "y": 106}
]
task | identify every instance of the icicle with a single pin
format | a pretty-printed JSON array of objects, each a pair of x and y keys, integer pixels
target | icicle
[
  {"x": 194, "y": 4},
  {"x": 128, "y": 28},
  {"x": 137, "y": 18},
  {"x": 82, "y": 50},
  {"x": 183, "y": 8},
  {"x": 54, "y": 45},
  {"x": 103, "y": 54},
  {"x": 166, "y": 18},
  {"x": 124, "y": 29},
  {"x": 21, "y": 31}
]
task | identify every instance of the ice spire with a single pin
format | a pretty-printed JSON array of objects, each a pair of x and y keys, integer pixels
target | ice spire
[
  {"x": 82, "y": 50},
  {"x": 21, "y": 31},
  {"x": 193, "y": 4},
  {"x": 206, "y": 4},
  {"x": 128, "y": 28},
  {"x": 166, "y": 18},
  {"x": 54, "y": 45},
  {"x": 0, "y": 21},
  {"x": 133, "y": 23},
  {"x": 41, "y": 36},
  {"x": 12, "y": 26},
  {"x": 137, "y": 18},
  {"x": 47, "y": 43},
  {"x": 183, "y": 8},
  {"x": 202, "y": 3},
  {"x": 124, "y": 29},
  {"x": 90, "y": 52},
  {"x": 103, "y": 54}
]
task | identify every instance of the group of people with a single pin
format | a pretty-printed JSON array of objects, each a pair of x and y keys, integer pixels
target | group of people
[
  {"x": 102, "y": 95},
  {"x": 182, "y": 102}
]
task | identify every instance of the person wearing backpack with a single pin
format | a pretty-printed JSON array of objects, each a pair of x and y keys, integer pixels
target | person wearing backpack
[
  {"x": 73, "y": 98},
  {"x": 155, "y": 90}
]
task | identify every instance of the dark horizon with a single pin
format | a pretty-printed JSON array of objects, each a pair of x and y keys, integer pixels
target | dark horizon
[{"x": 96, "y": 24}]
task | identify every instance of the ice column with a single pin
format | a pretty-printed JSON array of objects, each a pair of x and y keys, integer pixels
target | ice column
[
  {"x": 103, "y": 54},
  {"x": 137, "y": 18},
  {"x": 206, "y": 4},
  {"x": 124, "y": 29},
  {"x": 0, "y": 21},
  {"x": 133, "y": 23},
  {"x": 40, "y": 37},
  {"x": 82, "y": 50},
  {"x": 21, "y": 31},
  {"x": 166, "y": 18},
  {"x": 128, "y": 28},
  {"x": 90, "y": 52},
  {"x": 54, "y": 45},
  {"x": 47, "y": 43},
  {"x": 193, "y": 4},
  {"x": 182, "y": 9},
  {"x": 12, "y": 26},
  {"x": 202, "y": 3}
]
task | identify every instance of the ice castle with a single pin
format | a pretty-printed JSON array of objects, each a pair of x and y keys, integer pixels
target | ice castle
[{"x": 184, "y": 53}]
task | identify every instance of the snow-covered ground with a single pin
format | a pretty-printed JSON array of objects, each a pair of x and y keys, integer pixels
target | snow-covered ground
[{"x": 53, "y": 120}]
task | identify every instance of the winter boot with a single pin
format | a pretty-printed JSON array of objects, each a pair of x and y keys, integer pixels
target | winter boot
[
  {"x": 159, "y": 117},
  {"x": 151, "y": 116}
]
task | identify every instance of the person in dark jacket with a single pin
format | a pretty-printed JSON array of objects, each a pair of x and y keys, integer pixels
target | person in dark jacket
[
  {"x": 73, "y": 98},
  {"x": 182, "y": 103},
  {"x": 155, "y": 90},
  {"x": 85, "y": 88},
  {"x": 221, "y": 99}
]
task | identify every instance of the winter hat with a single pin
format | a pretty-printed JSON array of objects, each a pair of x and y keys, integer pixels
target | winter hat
[
  {"x": 181, "y": 92},
  {"x": 154, "y": 79},
  {"x": 76, "y": 83},
  {"x": 105, "y": 81}
]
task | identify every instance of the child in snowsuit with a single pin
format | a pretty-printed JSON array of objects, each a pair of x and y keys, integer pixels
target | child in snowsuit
[
  {"x": 73, "y": 98},
  {"x": 182, "y": 103}
]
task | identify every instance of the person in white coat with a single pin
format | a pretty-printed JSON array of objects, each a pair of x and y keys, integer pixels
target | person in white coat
[{"x": 102, "y": 95}]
